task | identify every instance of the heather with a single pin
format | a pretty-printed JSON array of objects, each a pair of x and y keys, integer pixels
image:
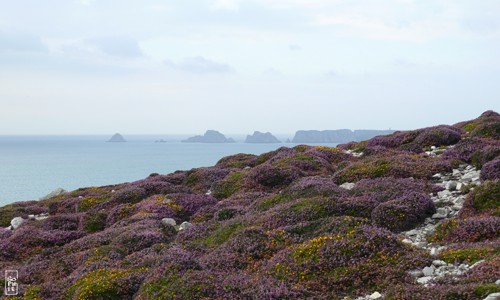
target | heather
[{"x": 308, "y": 222}]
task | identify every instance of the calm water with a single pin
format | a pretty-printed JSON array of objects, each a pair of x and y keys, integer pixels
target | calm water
[{"x": 31, "y": 167}]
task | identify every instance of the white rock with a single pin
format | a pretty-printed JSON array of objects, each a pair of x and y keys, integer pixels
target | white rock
[
  {"x": 439, "y": 216},
  {"x": 185, "y": 225},
  {"x": 416, "y": 273},
  {"x": 439, "y": 263},
  {"x": 494, "y": 296},
  {"x": 375, "y": 295},
  {"x": 476, "y": 264},
  {"x": 497, "y": 282},
  {"x": 31, "y": 216},
  {"x": 168, "y": 221},
  {"x": 54, "y": 193},
  {"x": 459, "y": 186},
  {"x": 407, "y": 241},
  {"x": 16, "y": 222},
  {"x": 347, "y": 185},
  {"x": 424, "y": 280},
  {"x": 451, "y": 185},
  {"x": 209, "y": 192},
  {"x": 428, "y": 271},
  {"x": 41, "y": 217}
]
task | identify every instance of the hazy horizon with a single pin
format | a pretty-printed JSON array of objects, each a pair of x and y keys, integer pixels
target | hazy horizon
[{"x": 105, "y": 66}]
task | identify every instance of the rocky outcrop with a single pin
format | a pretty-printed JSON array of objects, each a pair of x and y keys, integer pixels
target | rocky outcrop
[
  {"x": 54, "y": 193},
  {"x": 263, "y": 138},
  {"x": 117, "y": 138},
  {"x": 211, "y": 136},
  {"x": 336, "y": 136}
]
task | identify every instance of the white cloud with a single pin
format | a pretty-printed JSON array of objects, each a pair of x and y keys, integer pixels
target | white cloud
[
  {"x": 231, "y": 5},
  {"x": 199, "y": 64}
]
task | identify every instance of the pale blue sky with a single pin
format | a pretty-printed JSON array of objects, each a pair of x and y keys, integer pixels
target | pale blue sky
[{"x": 104, "y": 66}]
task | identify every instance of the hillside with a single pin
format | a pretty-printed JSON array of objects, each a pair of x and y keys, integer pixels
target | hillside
[{"x": 410, "y": 215}]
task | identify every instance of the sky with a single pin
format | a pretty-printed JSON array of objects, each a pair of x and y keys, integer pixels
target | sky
[{"x": 179, "y": 67}]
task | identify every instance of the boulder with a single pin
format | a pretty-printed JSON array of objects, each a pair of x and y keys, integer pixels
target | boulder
[
  {"x": 16, "y": 222},
  {"x": 185, "y": 225},
  {"x": 168, "y": 221},
  {"x": 54, "y": 193}
]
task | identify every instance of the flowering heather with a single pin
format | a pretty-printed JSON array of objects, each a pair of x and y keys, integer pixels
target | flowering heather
[
  {"x": 473, "y": 229},
  {"x": 314, "y": 186},
  {"x": 416, "y": 140},
  {"x": 487, "y": 125},
  {"x": 238, "y": 161},
  {"x": 476, "y": 151},
  {"x": 200, "y": 180},
  {"x": 491, "y": 170},
  {"x": 333, "y": 264},
  {"x": 389, "y": 188},
  {"x": 403, "y": 213},
  {"x": 62, "y": 222},
  {"x": 483, "y": 200},
  {"x": 268, "y": 176},
  {"x": 129, "y": 194},
  {"x": 400, "y": 166}
]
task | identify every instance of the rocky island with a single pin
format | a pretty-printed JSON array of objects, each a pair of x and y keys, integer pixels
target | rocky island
[
  {"x": 262, "y": 138},
  {"x": 410, "y": 215},
  {"x": 210, "y": 136},
  {"x": 117, "y": 138},
  {"x": 336, "y": 136}
]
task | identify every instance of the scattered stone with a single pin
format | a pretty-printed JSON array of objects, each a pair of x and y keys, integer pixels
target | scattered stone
[
  {"x": 494, "y": 296},
  {"x": 428, "y": 271},
  {"x": 477, "y": 264},
  {"x": 416, "y": 273},
  {"x": 168, "y": 221},
  {"x": 31, "y": 216},
  {"x": 185, "y": 225},
  {"x": 375, "y": 295},
  {"x": 497, "y": 282},
  {"x": 451, "y": 185},
  {"x": 347, "y": 185},
  {"x": 424, "y": 280},
  {"x": 439, "y": 263},
  {"x": 41, "y": 217},
  {"x": 16, "y": 222}
]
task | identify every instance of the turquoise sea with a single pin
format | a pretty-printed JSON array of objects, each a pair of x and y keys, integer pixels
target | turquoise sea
[{"x": 33, "y": 166}]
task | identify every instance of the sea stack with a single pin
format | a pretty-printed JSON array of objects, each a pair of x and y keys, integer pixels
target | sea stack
[
  {"x": 264, "y": 138},
  {"x": 211, "y": 136},
  {"x": 117, "y": 138}
]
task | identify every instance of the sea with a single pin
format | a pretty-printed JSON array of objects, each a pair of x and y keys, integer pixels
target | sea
[{"x": 33, "y": 166}]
